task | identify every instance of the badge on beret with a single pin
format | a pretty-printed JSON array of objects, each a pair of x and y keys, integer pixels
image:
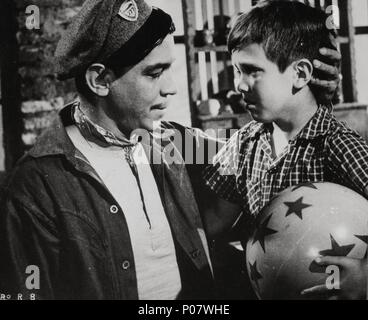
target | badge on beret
[{"x": 129, "y": 10}]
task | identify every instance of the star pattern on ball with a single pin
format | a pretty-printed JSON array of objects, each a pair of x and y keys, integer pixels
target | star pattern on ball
[
  {"x": 364, "y": 239},
  {"x": 254, "y": 273},
  {"x": 336, "y": 249},
  {"x": 296, "y": 208},
  {"x": 262, "y": 232},
  {"x": 305, "y": 185}
]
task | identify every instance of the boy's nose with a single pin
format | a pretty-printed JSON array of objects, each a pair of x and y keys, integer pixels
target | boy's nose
[{"x": 243, "y": 87}]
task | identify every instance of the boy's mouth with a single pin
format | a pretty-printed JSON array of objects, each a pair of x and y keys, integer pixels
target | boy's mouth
[
  {"x": 250, "y": 104},
  {"x": 249, "y": 100}
]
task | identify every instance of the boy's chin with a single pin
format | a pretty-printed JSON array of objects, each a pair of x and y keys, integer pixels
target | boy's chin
[{"x": 259, "y": 117}]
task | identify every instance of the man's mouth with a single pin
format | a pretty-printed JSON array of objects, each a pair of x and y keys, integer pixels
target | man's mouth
[{"x": 161, "y": 106}]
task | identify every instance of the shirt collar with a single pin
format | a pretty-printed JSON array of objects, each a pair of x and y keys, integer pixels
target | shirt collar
[
  {"x": 316, "y": 126},
  {"x": 258, "y": 128}
]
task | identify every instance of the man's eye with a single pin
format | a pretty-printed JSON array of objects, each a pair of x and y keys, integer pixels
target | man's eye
[{"x": 155, "y": 75}]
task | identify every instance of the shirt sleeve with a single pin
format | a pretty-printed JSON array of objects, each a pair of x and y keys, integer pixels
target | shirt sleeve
[
  {"x": 348, "y": 159},
  {"x": 220, "y": 175}
]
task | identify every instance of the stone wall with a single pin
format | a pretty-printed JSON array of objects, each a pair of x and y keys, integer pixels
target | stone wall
[
  {"x": 31, "y": 94},
  {"x": 41, "y": 93}
]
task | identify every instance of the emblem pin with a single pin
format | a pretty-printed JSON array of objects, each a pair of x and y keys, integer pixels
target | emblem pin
[{"x": 129, "y": 11}]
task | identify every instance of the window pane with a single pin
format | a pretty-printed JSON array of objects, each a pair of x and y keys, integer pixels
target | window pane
[
  {"x": 360, "y": 12},
  {"x": 361, "y": 45}
]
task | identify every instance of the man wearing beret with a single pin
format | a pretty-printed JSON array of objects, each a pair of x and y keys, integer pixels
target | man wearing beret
[{"x": 86, "y": 209}]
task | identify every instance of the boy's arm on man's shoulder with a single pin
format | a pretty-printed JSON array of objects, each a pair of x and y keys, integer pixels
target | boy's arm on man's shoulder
[
  {"x": 220, "y": 174},
  {"x": 220, "y": 178},
  {"x": 196, "y": 146},
  {"x": 348, "y": 156}
]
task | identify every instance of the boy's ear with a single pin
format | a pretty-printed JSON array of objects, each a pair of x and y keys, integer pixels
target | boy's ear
[
  {"x": 98, "y": 79},
  {"x": 303, "y": 70}
]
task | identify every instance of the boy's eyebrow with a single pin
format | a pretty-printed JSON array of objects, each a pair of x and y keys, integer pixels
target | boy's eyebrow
[
  {"x": 157, "y": 66},
  {"x": 250, "y": 65}
]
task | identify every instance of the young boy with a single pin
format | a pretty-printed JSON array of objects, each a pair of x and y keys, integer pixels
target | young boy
[{"x": 294, "y": 138}]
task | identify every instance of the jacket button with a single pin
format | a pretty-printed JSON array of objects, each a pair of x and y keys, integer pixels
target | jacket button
[
  {"x": 195, "y": 254},
  {"x": 114, "y": 209},
  {"x": 125, "y": 265}
]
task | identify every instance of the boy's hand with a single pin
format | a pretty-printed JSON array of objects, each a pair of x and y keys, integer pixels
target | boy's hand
[
  {"x": 331, "y": 80},
  {"x": 353, "y": 282}
]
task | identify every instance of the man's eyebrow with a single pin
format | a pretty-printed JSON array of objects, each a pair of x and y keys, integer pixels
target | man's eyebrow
[{"x": 157, "y": 66}]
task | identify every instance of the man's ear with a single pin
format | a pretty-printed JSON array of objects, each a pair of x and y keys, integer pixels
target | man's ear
[
  {"x": 303, "y": 73},
  {"x": 98, "y": 79}
]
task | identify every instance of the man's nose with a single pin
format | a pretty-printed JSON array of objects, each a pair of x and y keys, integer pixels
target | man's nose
[{"x": 168, "y": 84}]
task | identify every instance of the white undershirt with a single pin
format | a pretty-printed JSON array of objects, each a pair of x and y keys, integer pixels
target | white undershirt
[
  {"x": 153, "y": 248},
  {"x": 279, "y": 141}
]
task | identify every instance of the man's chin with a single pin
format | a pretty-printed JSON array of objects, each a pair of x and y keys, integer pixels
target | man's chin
[
  {"x": 150, "y": 125},
  {"x": 157, "y": 114}
]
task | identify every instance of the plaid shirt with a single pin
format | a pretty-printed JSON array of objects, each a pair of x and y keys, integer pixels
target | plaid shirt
[{"x": 245, "y": 172}]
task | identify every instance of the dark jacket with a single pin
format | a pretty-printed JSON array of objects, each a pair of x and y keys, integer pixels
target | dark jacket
[{"x": 57, "y": 215}]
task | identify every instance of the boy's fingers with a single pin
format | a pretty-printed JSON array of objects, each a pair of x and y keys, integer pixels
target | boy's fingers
[
  {"x": 329, "y": 69},
  {"x": 316, "y": 290},
  {"x": 331, "y": 260},
  {"x": 331, "y": 54},
  {"x": 324, "y": 83}
]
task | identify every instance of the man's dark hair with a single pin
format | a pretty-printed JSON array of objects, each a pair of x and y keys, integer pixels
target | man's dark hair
[
  {"x": 287, "y": 31},
  {"x": 148, "y": 37}
]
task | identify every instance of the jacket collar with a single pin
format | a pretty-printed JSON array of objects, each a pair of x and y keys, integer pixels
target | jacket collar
[{"x": 54, "y": 140}]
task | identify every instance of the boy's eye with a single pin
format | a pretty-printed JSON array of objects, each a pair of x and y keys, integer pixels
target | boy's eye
[
  {"x": 236, "y": 71},
  {"x": 251, "y": 71}
]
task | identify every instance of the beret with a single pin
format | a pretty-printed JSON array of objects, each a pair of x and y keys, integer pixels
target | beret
[
  {"x": 150, "y": 35},
  {"x": 100, "y": 29}
]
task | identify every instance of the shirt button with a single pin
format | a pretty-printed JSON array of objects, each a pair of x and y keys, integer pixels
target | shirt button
[
  {"x": 114, "y": 209},
  {"x": 125, "y": 265}
]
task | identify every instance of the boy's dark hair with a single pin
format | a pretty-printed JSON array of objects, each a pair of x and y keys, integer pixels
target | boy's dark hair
[{"x": 287, "y": 31}]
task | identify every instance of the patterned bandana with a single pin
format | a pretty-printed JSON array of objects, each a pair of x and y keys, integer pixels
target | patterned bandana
[
  {"x": 104, "y": 138},
  {"x": 93, "y": 131}
]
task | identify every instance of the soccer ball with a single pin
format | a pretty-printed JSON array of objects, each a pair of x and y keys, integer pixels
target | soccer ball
[{"x": 298, "y": 225}]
